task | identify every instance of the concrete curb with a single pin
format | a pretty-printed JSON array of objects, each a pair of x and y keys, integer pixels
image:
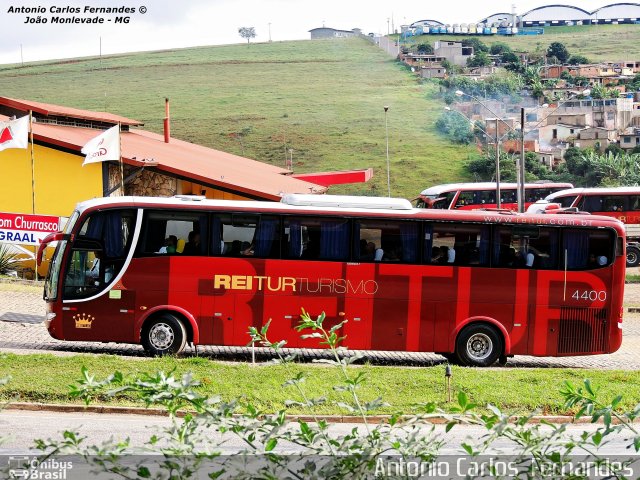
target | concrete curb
[{"x": 373, "y": 419}]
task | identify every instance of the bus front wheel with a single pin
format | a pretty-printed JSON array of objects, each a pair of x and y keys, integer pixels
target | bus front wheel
[
  {"x": 164, "y": 335},
  {"x": 633, "y": 256},
  {"x": 479, "y": 345}
]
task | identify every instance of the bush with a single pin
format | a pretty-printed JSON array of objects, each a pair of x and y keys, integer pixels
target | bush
[
  {"x": 455, "y": 126},
  {"x": 8, "y": 259}
]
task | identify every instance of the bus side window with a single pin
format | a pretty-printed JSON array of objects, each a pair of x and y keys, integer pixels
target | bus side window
[
  {"x": 519, "y": 246},
  {"x": 634, "y": 202},
  {"x": 457, "y": 244},
  {"x": 586, "y": 249},
  {"x": 464, "y": 199},
  {"x": 246, "y": 235},
  {"x": 387, "y": 241}
]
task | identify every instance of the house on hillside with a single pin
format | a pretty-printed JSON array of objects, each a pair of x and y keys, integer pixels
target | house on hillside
[
  {"x": 326, "y": 32},
  {"x": 453, "y": 52},
  {"x": 630, "y": 139},
  {"x": 597, "y": 138}
]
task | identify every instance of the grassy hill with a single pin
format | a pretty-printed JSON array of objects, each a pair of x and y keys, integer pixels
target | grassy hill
[
  {"x": 323, "y": 99},
  {"x": 596, "y": 42}
]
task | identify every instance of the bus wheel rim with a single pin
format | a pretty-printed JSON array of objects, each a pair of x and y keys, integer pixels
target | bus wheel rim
[
  {"x": 161, "y": 336},
  {"x": 479, "y": 346}
]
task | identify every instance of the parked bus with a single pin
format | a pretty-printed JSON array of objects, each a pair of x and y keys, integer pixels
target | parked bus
[
  {"x": 474, "y": 286},
  {"x": 622, "y": 203},
  {"x": 469, "y": 196}
]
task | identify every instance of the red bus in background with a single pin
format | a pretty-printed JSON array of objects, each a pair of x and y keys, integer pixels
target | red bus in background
[
  {"x": 474, "y": 286},
  {"x": 469, "y": 196},
  {"x": 622, "y": 203}
]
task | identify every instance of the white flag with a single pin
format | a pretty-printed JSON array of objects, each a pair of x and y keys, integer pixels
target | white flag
[
  {"x": 105, "y": 146},
  {"x": 14, "y": 133}
]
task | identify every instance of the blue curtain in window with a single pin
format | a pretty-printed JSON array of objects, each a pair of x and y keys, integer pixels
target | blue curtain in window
[
  {"x": 357, "y": 251},
  {"x": 498, "y": 246},
  {"x": 113, "y": 242},
  {"x": 485, "y": 240},
  {"x": 334, "y": 240},
  {"x": 295, "y": 239},
  {"x": 409, "y": 240},
  {"x": 96, "y": 223},
  {"x": 553, "y": 249},
  {"x": 576, "y": 246},
  {"x": 216, "y": 236},
  {"x": 428, "y": 242},
  {"x": 265, "y": 235}
]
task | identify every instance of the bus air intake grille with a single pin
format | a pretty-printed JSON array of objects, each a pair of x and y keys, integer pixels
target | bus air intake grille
[{"x": 583, "y": 330}]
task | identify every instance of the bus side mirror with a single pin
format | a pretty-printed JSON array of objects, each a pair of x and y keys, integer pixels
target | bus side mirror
[{"x": 52, "y": 237}]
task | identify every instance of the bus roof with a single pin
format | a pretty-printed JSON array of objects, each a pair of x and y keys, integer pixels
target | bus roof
[
  {"x": 496, "y": 217},
  {"x": 595, "y": 191},
  {"x": 448, "y": 187}
]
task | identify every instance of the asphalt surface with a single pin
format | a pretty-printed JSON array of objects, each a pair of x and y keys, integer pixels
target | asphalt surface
[{"x": 22, "y": 332}]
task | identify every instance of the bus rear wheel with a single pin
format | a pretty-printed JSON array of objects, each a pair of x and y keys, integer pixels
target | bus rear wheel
[
  {"x": 479, "y": 345},
  {"x": 164, "y": 335},
  {"x": 633, "y": 256}
]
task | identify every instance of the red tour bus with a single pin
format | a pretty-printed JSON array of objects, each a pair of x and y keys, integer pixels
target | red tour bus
[
  {"x": 469, "y": 196},
  {"x": 474, "y": 286},
  {"x": 622, "y": 203}
]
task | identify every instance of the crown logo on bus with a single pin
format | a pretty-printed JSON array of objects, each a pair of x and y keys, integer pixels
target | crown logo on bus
[{"x": 83, "y": 320}]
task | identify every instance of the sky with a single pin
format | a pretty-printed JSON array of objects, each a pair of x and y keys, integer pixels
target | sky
[{"x": 167, "y": 24}]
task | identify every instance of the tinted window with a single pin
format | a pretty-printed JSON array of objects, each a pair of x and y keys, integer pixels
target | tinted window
[
  {"x": 456, "y": 244},
  {"x": 524, "y": 246},
  {"x": 241, "y": 235},
  {"x": 587, "y": 249},
  {"x": 173, "y": 233},
  {"x": 313, "y": 238},
  {"x": 385, "y": 241}
]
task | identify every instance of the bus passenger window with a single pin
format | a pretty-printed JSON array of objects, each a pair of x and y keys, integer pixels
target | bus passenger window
[
  {"x": 314, "y": 238},
  {"x": 386, "y": 241},
  {"x": 586, "y": 249},
  {"x": 246, "y": 235},
  {"x": 465, "y": 199},
  {"x": 524, "y": 246},
  {"x": 457, "y": 244},
  {"x": 170, "y": 233}
]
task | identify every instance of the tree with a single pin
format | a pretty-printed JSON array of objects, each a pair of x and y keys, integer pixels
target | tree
[
  {"x": 455, "y": 126},
  {"x": 480, "y": 59},
  {"x": 558, "y": 50},
  {"x": 477, "y": 44},
  {"x": 509, "y": 57},
  {"x": 500, "y": 48},
  {"x": 425, "y": 48},
  {"x": 578, "y": 60},
  {"x": 247, "y": 32}
]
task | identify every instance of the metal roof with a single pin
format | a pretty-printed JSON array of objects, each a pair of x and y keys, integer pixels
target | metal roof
[{"x": 57, "y": 110}]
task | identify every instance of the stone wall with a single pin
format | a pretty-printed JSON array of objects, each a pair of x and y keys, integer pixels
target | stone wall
[{"x": 150, "y": 184}]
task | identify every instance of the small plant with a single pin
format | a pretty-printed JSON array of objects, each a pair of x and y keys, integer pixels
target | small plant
[{"x": 8, "y": 259}]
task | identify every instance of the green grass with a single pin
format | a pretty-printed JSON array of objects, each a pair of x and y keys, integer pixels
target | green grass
[
  {"x": 323, "y": 99},
  {"x": 45, "y": 378},
  {"x": 596, "y": 42}
]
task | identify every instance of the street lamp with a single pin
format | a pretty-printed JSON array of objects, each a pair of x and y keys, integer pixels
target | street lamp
[{"x": 386, "y": 128}]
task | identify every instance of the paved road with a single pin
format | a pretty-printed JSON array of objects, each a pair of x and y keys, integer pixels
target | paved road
[{"x": 22, "y": 331}]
